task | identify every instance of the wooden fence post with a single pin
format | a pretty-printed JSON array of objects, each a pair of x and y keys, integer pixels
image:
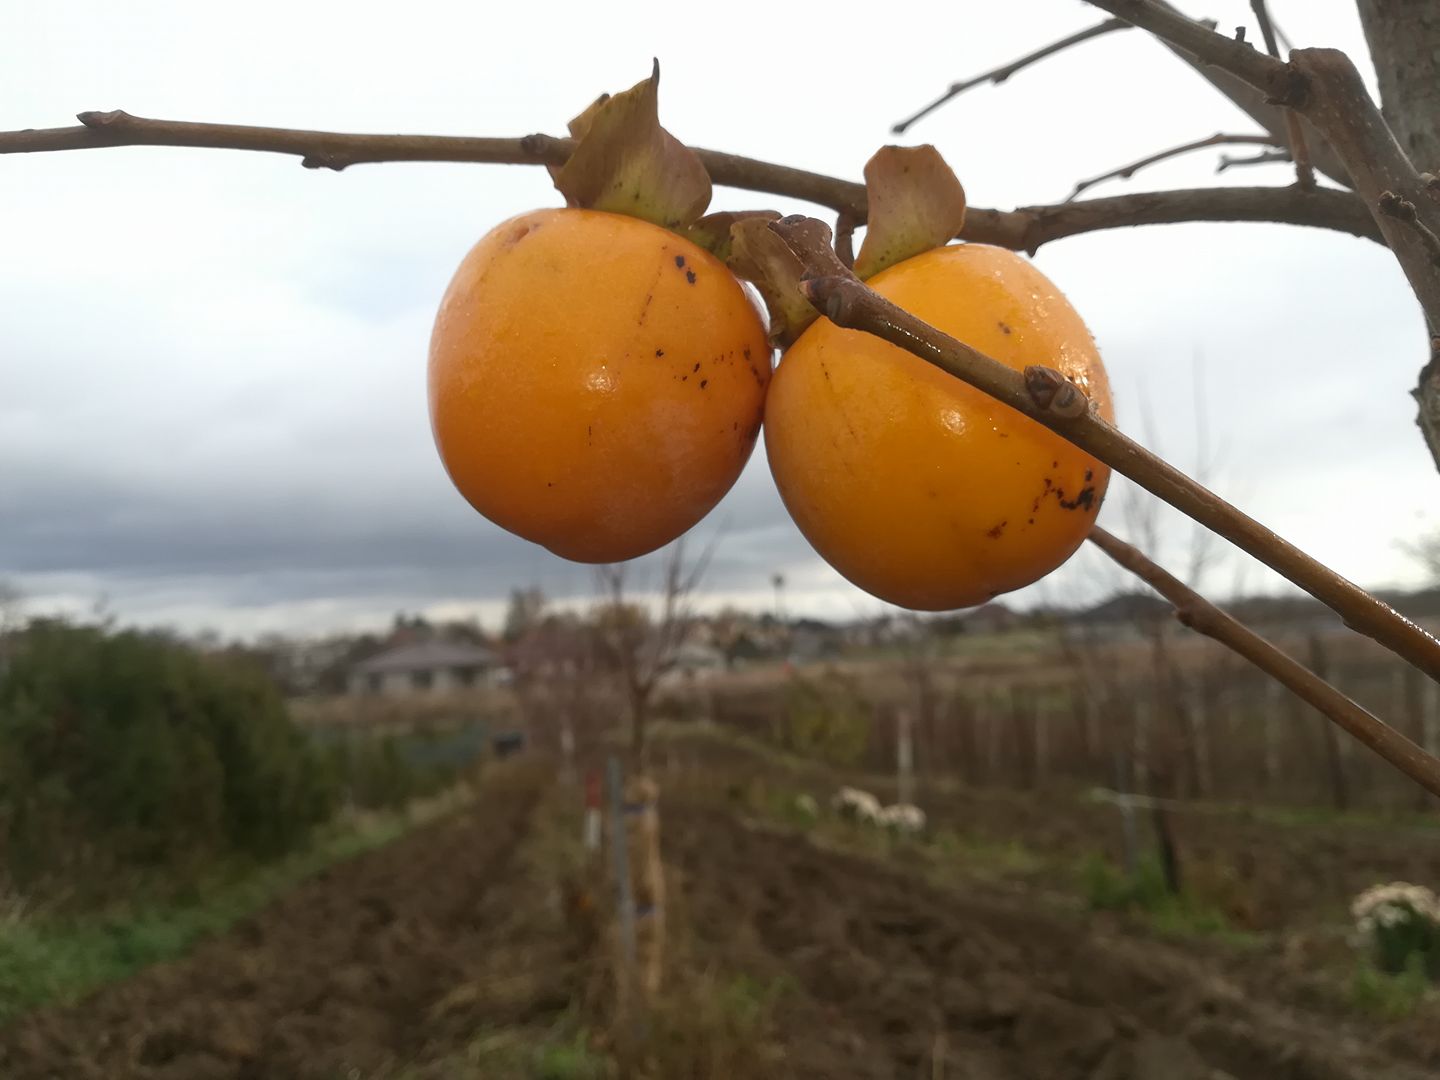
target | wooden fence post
[{"x": 904, "y": 757}]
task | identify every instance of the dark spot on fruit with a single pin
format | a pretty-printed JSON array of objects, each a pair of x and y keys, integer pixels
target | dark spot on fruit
[
  {"x": 1005, "y": 328},
  {"x": 1089, "y": 475},
  {"x": 696, "y": 367},
  {"x": 684, "y": 378},
  {"x": 690, "y": 276},
  {"x": 589, "y": 433},
  {"x": 549, "y": 483},
  {"x": 994, "y": 533},
  {"x": 1084, "y": 501},
  {"x": 1030, "y": 522},
  {"x": 659, "y": 352},
  {"x": 735, "y": 426},
  {"x": 520, "y": 232},
  {"x": 1049, "y": 484},
  {"x": 1054, "y": 464},
  {"x": 704, "y": 383},
  {"x": 680, "y": 260},
  {"x": 1004, "y": 434}
]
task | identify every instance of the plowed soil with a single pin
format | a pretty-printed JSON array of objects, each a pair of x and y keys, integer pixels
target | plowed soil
[
  {"x": 896, "y": 978},
  {"x": 401, "y": 956}
]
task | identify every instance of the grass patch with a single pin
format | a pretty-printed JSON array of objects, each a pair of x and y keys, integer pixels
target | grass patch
[
  {"x": 61, "y": 958},
  {"x": 1390, "y": 997},
  {"x": 1146, "y": 893}
]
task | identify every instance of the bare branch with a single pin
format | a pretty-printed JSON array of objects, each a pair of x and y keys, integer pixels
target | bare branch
[
  {"x": 1025, "y": 229},
  {"x": 1255, "y": 103},
  {"x": 1000, "y": 74},
  {"x": 1299, "y": 150},
  {"x": 1392, "y": 205},
  {"x": 1047, "y": 397},
  {"x": 845, "y": 237},
  {"x": 1266, "y": 158},
  {"x": 1324, "y": 86},
  {"x": 1194, "y": 611},
  {"x": 1125, "y": 172}
]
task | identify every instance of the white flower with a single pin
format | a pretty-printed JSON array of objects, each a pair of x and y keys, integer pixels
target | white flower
[
  {"x": 1390, "y": 905},
  {"x": 903, "y": 817},
  {"x": 856, "y": 804}
]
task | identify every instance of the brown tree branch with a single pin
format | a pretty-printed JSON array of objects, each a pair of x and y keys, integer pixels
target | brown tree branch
[
  {"x": 1194, "y": 611},
  {"x": 1047, "y": 397},
  {"x": 1266, "y": 158},
  {"x": 1254, "y": 103},
  {"x": 1025, "y": 229},
  {"x": 1125, "y": 172},
  {"x": 1000, "y": 74},
  {"x": 1299, "y": 149},
  {"x": 1324, "y": 86}
]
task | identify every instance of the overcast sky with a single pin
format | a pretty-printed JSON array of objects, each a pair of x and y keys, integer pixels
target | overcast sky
[{"x": 212, "y": 363}]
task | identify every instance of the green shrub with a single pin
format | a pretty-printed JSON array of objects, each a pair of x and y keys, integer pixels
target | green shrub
[
  {"x": 1390, "y": 996},
  {"x": 1107, "y": 888},
  {"x": 127, "y": 748},
  {"x": 824, "y": 720},
  {"x": 1401, "y": 924}
]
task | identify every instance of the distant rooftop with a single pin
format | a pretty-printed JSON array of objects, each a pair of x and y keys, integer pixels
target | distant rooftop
[{"x": 427, "y": 656}]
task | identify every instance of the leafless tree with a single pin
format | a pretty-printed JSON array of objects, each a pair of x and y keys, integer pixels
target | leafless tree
[{"x": 640, "y": 644}]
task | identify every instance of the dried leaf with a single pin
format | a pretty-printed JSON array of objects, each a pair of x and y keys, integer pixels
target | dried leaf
[
  {"x": 712, "y": 232},
  {"x": 762, "y": 258},
  {"x": 626, "y": 163},
  {"x": 916, "y": 203},
  {"x": 578, "y": 127}
]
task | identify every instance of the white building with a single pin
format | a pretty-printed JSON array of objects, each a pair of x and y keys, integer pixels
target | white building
[{"x": 424, "y": 667}]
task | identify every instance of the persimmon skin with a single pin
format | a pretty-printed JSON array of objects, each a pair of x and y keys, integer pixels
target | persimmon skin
[
  {"x": 596, "y": 382},
  {"x": 918, "y": 488}
]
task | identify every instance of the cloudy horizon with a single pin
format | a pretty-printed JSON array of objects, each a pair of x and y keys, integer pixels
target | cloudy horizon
[{"x": 212, "y": 412}]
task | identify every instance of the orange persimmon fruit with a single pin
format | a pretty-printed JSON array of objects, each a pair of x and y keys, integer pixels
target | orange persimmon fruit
[
  {"x": 918, "y": 488},
  {"x": 596, "y": 382}
]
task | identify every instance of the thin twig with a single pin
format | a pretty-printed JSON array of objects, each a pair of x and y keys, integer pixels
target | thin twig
[
  {"x": 1194, "y": 611},
  {"x": 1299, "y": 151},
  {"x": 845, "y": 237},
  {"x": 1000, "y": 74},
  {"x": 1125, "y": 172},
  {"x": 1392, "y": 205},
  {"x": 1047, "y": 397},
  {"x": 1325, "y": 87},
  {"x": 1025, "y": 229},
  {"x": 1266, "y": 158}
]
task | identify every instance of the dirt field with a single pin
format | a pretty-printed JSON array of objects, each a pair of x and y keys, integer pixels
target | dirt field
[{"x": 407, "y": 961}]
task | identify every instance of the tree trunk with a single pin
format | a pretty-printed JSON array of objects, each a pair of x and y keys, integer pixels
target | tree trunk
[{"x": 1404, "y": 41}]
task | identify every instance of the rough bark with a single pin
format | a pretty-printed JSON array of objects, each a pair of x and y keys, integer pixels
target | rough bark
[{"x": 1404, "y": 41}]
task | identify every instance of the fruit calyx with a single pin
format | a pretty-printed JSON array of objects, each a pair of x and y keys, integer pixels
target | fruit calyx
[
  {"x": 624, "y": 162},
  {"x": 916, "y": 203}
]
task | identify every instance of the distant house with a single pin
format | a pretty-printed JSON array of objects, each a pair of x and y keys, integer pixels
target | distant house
[
  {"x": 424, "y": 667},
  {"x": 691, "y": 661}
]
